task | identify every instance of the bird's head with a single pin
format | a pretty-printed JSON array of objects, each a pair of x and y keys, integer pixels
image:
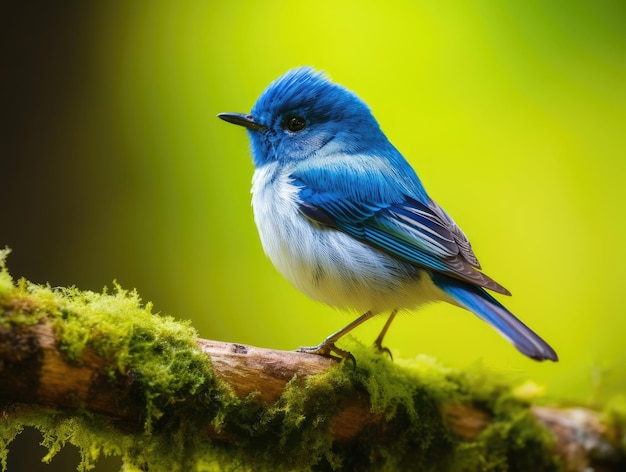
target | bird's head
[{"x": 303, "y": 114}]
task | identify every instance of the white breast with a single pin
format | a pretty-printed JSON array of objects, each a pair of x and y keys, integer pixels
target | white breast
[{"x": 328, "y": 265}]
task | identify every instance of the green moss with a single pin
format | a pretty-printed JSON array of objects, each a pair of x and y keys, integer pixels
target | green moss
[
  {"x": 512, "y": 442},
  {"x": 6, "y": 282},
  {"x": 177, "y": 395},
  {"x": 172, "y": 383}
]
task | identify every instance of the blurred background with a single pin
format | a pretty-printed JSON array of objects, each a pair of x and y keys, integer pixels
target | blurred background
[{"x": 114, "y": 166}]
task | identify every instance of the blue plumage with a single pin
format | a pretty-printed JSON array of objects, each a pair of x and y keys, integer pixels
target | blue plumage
[{"x": 345, "y": 218}]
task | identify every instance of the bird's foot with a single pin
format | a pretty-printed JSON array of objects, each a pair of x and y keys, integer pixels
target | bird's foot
[
  {"x": 382, "y": 349},
  {"x": 378, "y": 343},
  {"x": 327, "y": 349}
]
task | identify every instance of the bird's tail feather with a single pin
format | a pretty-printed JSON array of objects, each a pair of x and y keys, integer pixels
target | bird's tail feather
[{"x": 487, "y": 308}]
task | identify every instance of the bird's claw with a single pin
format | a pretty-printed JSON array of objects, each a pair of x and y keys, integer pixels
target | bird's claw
[
  {"x": 382, "y": 349},
  {"x": 327, "y": 349}
]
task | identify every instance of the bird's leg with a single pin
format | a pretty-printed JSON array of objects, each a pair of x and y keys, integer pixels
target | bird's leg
[
  {"x": 378, "y": 343},
  {"x": 327, "y": 346}
]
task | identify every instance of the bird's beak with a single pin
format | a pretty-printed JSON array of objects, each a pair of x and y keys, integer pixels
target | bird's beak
[{"x": 241, "y": 120}]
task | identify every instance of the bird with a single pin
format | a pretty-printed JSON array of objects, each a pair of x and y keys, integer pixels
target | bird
[{"x": 345, "y": 218}]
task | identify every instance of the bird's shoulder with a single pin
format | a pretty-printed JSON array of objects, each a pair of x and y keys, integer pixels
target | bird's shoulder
[{"x": 375, "y": 179}]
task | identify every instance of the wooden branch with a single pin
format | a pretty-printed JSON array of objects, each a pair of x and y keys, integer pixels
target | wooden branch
[
  {"x": 263, "y": 395},
  {"x": 35, "y": 371},
  {"x": 248, "y": 369}
]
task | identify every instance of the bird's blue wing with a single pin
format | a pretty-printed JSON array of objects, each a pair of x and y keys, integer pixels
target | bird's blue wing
[{"x": 368, "y": 201}]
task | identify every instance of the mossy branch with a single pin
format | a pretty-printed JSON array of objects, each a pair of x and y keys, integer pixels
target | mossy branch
[{"x": 102, "y": 372}]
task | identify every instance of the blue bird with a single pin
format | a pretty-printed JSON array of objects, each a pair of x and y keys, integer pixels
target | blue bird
[{"x": 345, "y": 218}]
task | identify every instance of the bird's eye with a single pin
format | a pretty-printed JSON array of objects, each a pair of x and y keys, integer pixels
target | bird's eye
[{"x": 295, "y": 123}]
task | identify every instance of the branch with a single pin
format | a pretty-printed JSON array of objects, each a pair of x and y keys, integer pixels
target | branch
[{"x": 102, "y": 372}]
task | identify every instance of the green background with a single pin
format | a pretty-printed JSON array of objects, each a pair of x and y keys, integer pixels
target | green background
[{"x": 114, "y": 165}]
